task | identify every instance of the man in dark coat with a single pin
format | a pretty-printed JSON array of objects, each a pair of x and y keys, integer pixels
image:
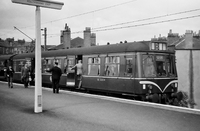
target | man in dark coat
[
  {"x": 56, "y": 74},
  {"x": 10, "y": 73},
  {"x": 25, "y": 73}
]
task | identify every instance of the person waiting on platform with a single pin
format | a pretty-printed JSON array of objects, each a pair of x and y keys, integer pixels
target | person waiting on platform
[
  {"x": 56, "y": 74},
  {"x": 25, "y": 75},
  {"x": 10, "y": 73}
]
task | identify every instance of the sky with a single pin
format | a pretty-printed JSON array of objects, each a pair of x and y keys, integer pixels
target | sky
[{"x": 111, "y": 20}]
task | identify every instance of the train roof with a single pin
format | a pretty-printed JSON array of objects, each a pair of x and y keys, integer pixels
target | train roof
[
  {"x": 6, "y": 57},
  {"x": 103, "y": 49}
]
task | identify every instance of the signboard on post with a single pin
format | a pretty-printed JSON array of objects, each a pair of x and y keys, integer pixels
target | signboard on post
[
  {"x": 38, "y": 74},
  {"x": 41, "y": 3}
]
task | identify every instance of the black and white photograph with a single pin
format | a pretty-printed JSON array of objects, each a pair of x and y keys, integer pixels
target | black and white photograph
[{"x": 99, "y": 65}]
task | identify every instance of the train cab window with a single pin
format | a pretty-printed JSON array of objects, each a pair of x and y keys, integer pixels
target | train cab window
[
  {"x": 170, "y": 66},
  {"x": 148, "y": 66},
  {"x": 161, "y": 66},
  {"x": 161, "y": 71},
  {"x": 129, "y": 67},
  {"x": 112, "y": 65},
  {"x": 94, "y": 66}
]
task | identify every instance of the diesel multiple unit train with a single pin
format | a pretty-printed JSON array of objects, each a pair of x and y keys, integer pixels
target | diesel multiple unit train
[{"x": 126, "y": 68}]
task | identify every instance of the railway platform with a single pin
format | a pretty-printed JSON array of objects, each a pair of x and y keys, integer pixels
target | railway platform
[{"x": 72, "y": 111}]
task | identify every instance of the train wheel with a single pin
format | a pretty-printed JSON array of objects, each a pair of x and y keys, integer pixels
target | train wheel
[
  {"x": 155, "y": 98},
  {"x": 167, "y": 99}
]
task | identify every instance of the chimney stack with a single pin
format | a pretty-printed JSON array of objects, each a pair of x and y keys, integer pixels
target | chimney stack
[
  {"x": 172, "y": 37},
  {"x": 93, "y": 39},
  {"x": 189, "y": 39},
  {"x": 87, "y": 37},
  {"x": 66, "y": 37}
]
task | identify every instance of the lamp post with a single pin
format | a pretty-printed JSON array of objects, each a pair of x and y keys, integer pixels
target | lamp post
[{"x": 38, "y": 83}]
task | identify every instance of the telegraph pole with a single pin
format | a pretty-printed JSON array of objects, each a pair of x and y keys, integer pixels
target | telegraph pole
[{"x": 45, "y": 38}]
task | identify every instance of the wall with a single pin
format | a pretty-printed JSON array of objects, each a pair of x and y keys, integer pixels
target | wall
[{"x": 183, "y": 68}]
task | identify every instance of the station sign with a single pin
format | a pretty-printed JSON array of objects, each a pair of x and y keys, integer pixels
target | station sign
[{"x": 41, "y": 3}]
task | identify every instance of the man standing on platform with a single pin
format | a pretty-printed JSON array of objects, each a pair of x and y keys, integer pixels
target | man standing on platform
[
  {"x": 25, "y": 73},
  {"x": 10, "y": 73},
  {"x": 56, "y": 74}
]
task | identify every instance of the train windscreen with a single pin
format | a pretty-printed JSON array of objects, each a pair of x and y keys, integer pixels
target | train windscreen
[{"x": 158, "y": 65}]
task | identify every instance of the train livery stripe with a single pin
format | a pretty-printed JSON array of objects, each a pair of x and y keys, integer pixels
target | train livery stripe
[
  {"x": 153, "y": 83},
  {"x": 171, "y": 82},
  {"x": 128, "y": 77}
]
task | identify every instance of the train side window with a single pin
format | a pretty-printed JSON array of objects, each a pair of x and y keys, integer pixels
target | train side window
[
  {"x": 46, "y": 64},
  {"x": 2, "y": 63},
  {"x": 148, "y": 66},
  {"x": 59, "y": 62},
  {"x": 94, "y": 66},
  {"x": 112, "y": 65},
  {"x": 65, "y": 66},
  {"x": 129, "y": 67},
  {"x": 68, "y": 64},
  {"x": 19, "y": 65}
]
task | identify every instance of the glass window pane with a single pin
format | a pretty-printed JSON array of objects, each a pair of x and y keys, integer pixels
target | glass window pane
[
  {"x": 129, "y": 66},
  {"x": 94, "y": 66},
  {"x": 112, "y": 66},
  {"x": 148, "y": 66}
]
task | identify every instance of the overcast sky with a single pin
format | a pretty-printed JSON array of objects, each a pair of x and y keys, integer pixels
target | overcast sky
[{"x": 128, "y": 15}]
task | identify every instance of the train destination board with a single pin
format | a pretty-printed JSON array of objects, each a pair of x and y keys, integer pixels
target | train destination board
[{"x": 41, "y": 3}]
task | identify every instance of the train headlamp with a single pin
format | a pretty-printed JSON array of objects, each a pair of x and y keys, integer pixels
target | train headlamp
[
  {"x": 176, "y": 85},
  {"x": 150, "y": 87},
  {"x": 144, "y": 86}
]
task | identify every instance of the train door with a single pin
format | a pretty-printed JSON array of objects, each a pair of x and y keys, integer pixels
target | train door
[
  {"x": 130, "y": 72},
  {"x": 78, "y": 77},
  {"x": 69, "y": 63}
]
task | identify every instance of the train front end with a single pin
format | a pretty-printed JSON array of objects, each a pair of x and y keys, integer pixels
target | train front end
[{"x": 157, "y": 76}]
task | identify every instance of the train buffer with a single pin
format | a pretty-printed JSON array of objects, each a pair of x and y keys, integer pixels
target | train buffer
[{"x": 74, "y": 111}]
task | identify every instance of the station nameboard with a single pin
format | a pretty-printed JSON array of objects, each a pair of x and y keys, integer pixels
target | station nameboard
[{"x": 41, "y": 3}]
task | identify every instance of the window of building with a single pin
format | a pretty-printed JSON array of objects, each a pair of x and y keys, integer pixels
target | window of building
[
  {"x": 112, "y": 65},
  {"x": 153, "y": 46},
  {"x": 94, "y": 66}
]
